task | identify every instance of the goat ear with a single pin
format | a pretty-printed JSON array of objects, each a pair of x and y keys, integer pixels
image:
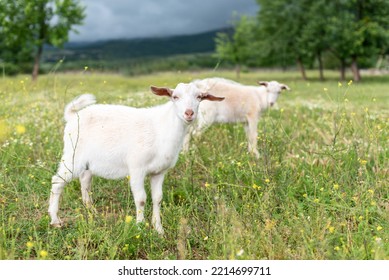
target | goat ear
[
  {"x": 161, "y": 91},
  {"x": 211, "y": 97},
  {"x": 284, "y": 87},
  {"x": 263, "y": 83}
]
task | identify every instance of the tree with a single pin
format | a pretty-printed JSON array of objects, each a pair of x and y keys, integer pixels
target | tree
[
  {"x": 42, "y": 13},
  {"x": 313, "y": 31},
  {"x": 359, "y": 29},
  {"x": 238, "y": 47},
  {"x": 29, "y": 25},
  {"x": 13, "y": 47},
  {"x": 351, "y": 29},
  {"x": 342, "y": 40},
  {"x": 280, "y": 31}
]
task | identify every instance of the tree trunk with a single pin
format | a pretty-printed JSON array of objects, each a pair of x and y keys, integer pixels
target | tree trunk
[
  {"x": 379, "y": 62},
  {"x": 238, "y": 71},
  {"x": 342, "y": 70},
  {"x": 320, "y": 66},
  {"x": 355, "y": 69},
  {"x": 35, "y": 70},
  {"x": 302, "y": 69}
]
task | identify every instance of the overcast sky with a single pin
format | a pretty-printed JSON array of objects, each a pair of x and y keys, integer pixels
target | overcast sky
[{"x": 113, "y": 19}]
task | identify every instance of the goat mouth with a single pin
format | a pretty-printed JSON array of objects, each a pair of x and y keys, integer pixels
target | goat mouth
[{"x": 188, "y": 120}]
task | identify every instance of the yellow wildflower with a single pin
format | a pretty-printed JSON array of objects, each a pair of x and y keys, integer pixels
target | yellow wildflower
[
  {"x": 267, "y": 180},
  {"x": 331, "y": 229},
  {"x": 305, "y": 195},
  {"x": 29, "y": 244},
  {"x": 43, "y": 253},
  {"x": 20, "y": 129},
  {"x": 339, "y": 84},
  {"x": 336, "y": 248},
  {"x": 325, "y": 89},
  {"x": 128, "y": 219},
  {"x": 206, "y": 184},
  {"x": 269, "y": 224},
  {"x": 350, "y": 83},
  {"x": 336, "y": 186},
  {"x": 379, "y": 228},
  {"x": 316, "y": 200}
]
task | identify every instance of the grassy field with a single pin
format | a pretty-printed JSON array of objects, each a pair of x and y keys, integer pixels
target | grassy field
[{"x": 319, "y": 191}]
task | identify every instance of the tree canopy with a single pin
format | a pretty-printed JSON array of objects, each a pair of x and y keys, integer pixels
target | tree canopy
[
  {"x": 25, "y": 26},
  {"x": 303, "y": 32},
  {"x": 237, "y": 48}
]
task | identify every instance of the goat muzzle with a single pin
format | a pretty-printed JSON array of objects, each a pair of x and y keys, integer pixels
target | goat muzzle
[{"x": 189, "y": 115}]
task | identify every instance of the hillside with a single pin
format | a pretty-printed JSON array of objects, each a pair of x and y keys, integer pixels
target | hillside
[{"x": 135, "y": 48}]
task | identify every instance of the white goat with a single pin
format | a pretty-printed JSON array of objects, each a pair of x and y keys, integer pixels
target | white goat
[
  {"x": 242, "y": 104},
  {"x": 114, "y": 141}
]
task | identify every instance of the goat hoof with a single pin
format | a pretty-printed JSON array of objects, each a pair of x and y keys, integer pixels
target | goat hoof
[
  {"x": 160, "y": 231},
  {"x": 57, "y": 225}
]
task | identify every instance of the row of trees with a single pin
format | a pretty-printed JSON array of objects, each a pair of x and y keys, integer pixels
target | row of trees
[
  {"x": 26, "y": 26},
  {"x": 304, "y": 31}
]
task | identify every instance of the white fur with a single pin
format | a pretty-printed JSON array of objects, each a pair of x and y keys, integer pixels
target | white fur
[
  {"x": 114, "y": 141},
  {"x": 77, "y": 104},
  {"x": 242, "y": 104}
]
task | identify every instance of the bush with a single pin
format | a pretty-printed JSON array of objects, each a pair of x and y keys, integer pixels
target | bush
[{"x": 9, "y": 69}]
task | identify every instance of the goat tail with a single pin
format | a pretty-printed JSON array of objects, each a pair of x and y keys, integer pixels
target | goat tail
[{"x": 77, "y": 104}]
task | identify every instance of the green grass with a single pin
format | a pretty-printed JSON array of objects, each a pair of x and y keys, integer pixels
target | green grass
[{"x": 319, "y": 190}]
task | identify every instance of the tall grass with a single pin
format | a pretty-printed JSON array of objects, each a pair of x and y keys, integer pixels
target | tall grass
[{"x": 318, "y": 191}]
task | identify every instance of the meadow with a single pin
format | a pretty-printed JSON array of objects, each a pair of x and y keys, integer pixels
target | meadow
[{"x": 318, "y": 191}]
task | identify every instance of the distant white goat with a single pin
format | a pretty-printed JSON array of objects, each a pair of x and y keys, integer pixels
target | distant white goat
[
  {"x": 242, "y": 104},
  {"x": 114, "y": 141}
]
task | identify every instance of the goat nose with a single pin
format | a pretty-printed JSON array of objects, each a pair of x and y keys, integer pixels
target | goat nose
[{"x": 189, "y": 113}]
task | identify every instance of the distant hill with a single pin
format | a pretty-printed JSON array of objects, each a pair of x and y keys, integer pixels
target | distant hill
[{"x": 135, "y": 48}]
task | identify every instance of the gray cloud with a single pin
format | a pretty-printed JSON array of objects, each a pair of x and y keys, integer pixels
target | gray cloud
[{"x": 148, "y": 18}]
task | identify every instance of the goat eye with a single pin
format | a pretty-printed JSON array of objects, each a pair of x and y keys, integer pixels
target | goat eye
[
  {"x": 199, "y": 98},
  {"x": 175, "y": 97}
]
